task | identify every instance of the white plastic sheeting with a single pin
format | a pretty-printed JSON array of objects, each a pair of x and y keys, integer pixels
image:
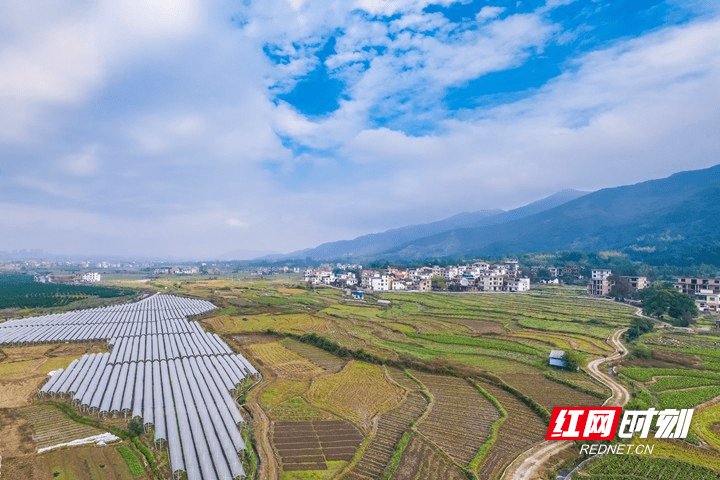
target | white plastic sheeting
[{"x": 162, "y": 368}]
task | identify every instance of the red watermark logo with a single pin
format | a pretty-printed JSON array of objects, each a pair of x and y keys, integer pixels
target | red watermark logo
[
  {"x": 602, "y": 423},
  {"x": 583, "y": 423}
]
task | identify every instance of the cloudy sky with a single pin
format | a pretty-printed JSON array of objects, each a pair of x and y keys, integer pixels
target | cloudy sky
[{"x": 193, "y": 128}]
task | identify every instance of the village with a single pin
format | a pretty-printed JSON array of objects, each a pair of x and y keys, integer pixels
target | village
[{"x": 478, "y": 276}]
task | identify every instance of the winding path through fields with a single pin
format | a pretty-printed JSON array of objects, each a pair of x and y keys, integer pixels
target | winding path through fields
[{"x": 527, "y": 465}]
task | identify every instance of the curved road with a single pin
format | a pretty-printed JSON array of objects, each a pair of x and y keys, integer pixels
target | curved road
[{"x": 526, "y": 466}]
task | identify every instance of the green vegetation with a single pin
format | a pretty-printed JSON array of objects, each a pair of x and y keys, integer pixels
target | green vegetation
[
  {"x": 688, "y": 398},
  {"x": 638, "y": 326},
  {"x": 22, "y": 291},
  {"x": 494, "y": 430},
  {"x": 706, "y": 423},
  {"x": 664, "y": 299},
  {"x": 631, "y": 467},
  {"x": 135, "y": 428},
  {"x": 476, "y": 342},
  {"x": 397, "y": 455},
  {"x": 131, "y": 459},
  {"x": 646, "y": 374}
]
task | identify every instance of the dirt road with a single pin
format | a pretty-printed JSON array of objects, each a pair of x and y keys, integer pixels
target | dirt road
[{"x": 528, "y": 465}]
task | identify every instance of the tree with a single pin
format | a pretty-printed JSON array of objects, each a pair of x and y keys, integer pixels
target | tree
[
  {"x": 572, "y": 359},
  {"x": 664, "y": 299},
  {"x": 544, "y": 274},
  {"x": 621, "y": 288},
  {"x": 438, "y": 282},
  {"x": 135, "y": 428},
  {"x": 638, "y": 326}
]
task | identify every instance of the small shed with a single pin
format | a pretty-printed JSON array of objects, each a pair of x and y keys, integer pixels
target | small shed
[
  {"x": 557, "y": 359},
  {"x": 358, "y": 295}
]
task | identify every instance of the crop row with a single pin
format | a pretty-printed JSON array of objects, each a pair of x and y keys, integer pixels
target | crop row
[
  {"x": 421, "y": 460},
  {"x": 687, "y": 398},
  {"x": 675, "y": 383},
  {"x": 459, "y": 433},
  {"x": 521, "y": 429},
  {"x": 646, "y": 374},
  {"x": 390, "y": 429},
  {"x": 631, "y": 467}
]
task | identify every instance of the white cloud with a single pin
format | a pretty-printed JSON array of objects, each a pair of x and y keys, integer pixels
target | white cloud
[
  {"x": 174, "y": 138},
  {"x": 487, "y": 12},
  {"x": 235, "y": 223},
  {"x": 84, "y": 164}
]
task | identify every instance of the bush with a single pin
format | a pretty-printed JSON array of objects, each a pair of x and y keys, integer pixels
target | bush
[
  {"x": 135, "y": 428},
  {"x": 641, "y": 351},
  {"x": 136, "y": 468}
]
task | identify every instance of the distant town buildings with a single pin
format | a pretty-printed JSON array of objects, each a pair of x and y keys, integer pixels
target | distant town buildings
[
  {"x": 707, "y": 301},
  {"x": 87, "y": 277},
  {"x": 474, "y": 277}
]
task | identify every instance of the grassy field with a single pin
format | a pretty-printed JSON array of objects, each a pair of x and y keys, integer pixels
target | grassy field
[{"x": 706, "y": 424}]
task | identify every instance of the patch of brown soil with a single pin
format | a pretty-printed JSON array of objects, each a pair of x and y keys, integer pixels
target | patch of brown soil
[
  {"x": 677, "y": 358},
  {"x": 250, "y": 338},
  {"x": 15, "y": 435},
  {"x": 715, "y": 427},
  {"x": 16, "y": 393}
]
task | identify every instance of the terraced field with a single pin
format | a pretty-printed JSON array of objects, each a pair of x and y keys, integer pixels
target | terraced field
[
  {"x": 550, "y": 394},
  {"x": 459, "y": 419},
  {"x": 632, "y": 467},
  {"x": 309, "y": 445},
  {"x": 52, "y": 427},
  {"x": 390, "y": 429},
  {"x": 521, "y": 429},
  {"x": 284, "y": 361},
  {"x": 424, "y": 461},
  {"x": 316, "y": 355},
  {"x": 358, "y": 393}
]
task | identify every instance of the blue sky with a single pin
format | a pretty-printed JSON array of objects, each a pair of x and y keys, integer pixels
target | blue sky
[{"x": 195, "y": 128}]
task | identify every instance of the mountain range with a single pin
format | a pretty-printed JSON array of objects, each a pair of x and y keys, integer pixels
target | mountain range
[{"x": 671, "y": 220}]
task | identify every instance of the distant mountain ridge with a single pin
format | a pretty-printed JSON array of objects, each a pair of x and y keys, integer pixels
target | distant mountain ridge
[
  {"x": 374, "y": 245},
  {"x": 675, "y": 218}
]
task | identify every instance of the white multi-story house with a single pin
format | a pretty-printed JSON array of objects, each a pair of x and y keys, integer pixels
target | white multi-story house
[
  {"x": 600, "y": 283},
  {"x": 381, "y": 283},
  {"x": 517, "y": 285},
  {"x": 491, "y": 283}
]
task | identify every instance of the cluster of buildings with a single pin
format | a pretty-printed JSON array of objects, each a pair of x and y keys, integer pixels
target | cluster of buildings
[
  {"x": 77, "y": 278},
  {"x": 184, "y": 270},
  {"x": 475, "y": 277},
  {"x": 706, "y": 292}
]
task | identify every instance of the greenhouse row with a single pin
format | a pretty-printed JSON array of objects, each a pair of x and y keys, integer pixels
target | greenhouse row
[
  {"x": 177, "y": 379},
  {"x": 154, "y": 315}
]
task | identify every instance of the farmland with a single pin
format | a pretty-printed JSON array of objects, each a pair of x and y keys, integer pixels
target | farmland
[
  {"x": 20, "y": 292},
  {"x": 427, "y": 385},
  {"x": 631, "y": 467},
  {"x": 499, "y": 340}
]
